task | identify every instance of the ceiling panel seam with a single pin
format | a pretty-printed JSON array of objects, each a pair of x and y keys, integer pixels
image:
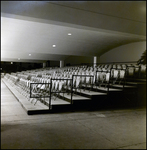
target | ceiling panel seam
[{"x": 97, "y": 13}]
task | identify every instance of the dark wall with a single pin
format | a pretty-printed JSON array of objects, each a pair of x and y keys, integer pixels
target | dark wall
[{"x": 7, "y": 67}]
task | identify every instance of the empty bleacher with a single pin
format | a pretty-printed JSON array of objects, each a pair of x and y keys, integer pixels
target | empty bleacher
[{"x": 76, "y": 87}]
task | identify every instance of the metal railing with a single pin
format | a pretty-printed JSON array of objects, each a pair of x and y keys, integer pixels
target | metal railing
[
  {"x": 37, "y": 92},
  {"x": 63, "y": 89},
  {"x": 111, "y": 78}
]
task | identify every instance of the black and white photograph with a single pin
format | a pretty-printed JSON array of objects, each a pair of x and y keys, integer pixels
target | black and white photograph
[{"x": 73, "y": 74}]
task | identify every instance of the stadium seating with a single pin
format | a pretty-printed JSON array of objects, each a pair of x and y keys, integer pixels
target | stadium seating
[{"x": 51, "y": 82}]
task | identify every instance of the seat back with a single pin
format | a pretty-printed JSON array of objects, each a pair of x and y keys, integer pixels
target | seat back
[
  {"x": 121, "y": 74},
  {"x": 107, "y": 76},
  {"x": 130, "y": 71}
]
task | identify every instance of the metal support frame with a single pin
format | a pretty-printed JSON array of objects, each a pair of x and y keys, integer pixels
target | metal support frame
[
  {"x": 108, "y": 84},
  {"x": 109, "y": 78},
  {"x": 91, "y": 76},
  {"x": 40, "y": 96},
  {"x": 71, "y": 91}
]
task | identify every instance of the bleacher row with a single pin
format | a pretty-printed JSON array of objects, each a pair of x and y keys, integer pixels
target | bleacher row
[{"x": 51, "y": 82}]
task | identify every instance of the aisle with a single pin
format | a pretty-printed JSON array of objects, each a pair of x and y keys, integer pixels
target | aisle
[{"x": 9, "y": 104}]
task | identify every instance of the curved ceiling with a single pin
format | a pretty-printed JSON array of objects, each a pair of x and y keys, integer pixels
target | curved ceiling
[{"x": 33, "y": 27}]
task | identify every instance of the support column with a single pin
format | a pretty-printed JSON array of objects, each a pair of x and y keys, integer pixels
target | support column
[
  {"x": 44, "y": 64},
  {"x": 95, "y": 61},
  {"x": 61, "y": 63}
]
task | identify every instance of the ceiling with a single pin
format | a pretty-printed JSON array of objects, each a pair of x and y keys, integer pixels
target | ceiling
[{"x": 33, "y": 27}]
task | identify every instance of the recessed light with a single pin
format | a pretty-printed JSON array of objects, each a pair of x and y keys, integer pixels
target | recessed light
[
  {"x": 69, "y": 33},
  {"x": 54, "y": 45},
  {"x": 29, "y": 54}
]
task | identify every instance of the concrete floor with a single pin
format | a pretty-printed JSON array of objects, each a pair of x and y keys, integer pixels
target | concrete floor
[{"x": 101, "y": 129}]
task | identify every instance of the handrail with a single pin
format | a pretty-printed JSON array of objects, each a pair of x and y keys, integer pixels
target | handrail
[
  {"x": 124, "y": 75},
  {"x": 50, "y": 89},
  {"x": 107, "y": 71},
  {"x": 62, "y": 92},
  {"x": 84, "y": 76},
  {"x": 48, "y": 96},
  {"x": 110, "y": 78}
]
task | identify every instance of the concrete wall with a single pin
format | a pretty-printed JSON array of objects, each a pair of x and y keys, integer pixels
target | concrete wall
[
  {"x": 54, "y": 63},
  {"x": 128, "y": 52},
  {"x": 73, "y": 60}
]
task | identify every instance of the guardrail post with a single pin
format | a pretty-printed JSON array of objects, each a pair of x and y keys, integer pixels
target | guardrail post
[
  {"x": 72, "y": 93},
  {"x": 50, "y": 94}
]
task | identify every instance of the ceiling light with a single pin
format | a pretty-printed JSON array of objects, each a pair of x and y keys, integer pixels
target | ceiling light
[
  {"x": 69, "y": 33},
  {"x": 54, "y": 45},
  {"x": 29, "y": 54}
]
